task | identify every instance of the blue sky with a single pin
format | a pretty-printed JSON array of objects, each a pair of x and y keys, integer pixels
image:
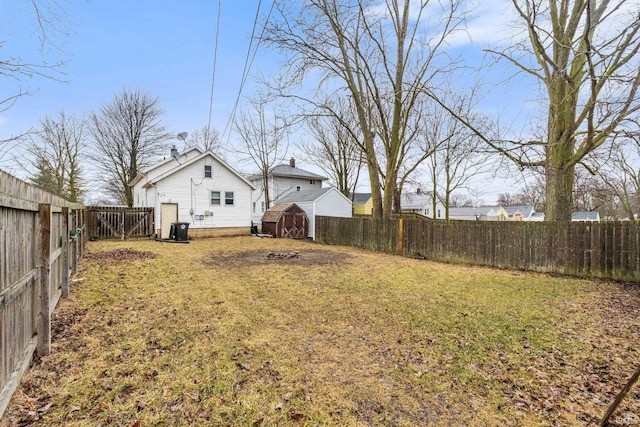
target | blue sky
[
  {"x": 163, "y": 47},
  {"x": 166, "y": 48}
]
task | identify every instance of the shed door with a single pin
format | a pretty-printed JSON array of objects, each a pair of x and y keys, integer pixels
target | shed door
[
  {"x": 168, "y": 215},
  {"x": 294, "y": 225}
]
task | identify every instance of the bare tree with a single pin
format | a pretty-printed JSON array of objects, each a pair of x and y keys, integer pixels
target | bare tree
[
  {"x": 458, "y": 155},
  {"x": 335, "y": 150},
  {"x": 383, "y": 55},
  {"x": 622, "y": 176},
  {"x": 49, "y": 24},
  {"x": 205, "y": 138},
  {"x": 57, "y": 148},
  {"x": 127, "y": 133},
  {"x": 264, "y": 136},
  {"x": 585, "y": 56}
]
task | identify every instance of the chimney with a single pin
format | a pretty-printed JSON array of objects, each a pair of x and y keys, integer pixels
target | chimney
[
  {"x": 174, "y": 152},
  {"x": 292, "y": 162},
  {"x": 419, "y": 190}
]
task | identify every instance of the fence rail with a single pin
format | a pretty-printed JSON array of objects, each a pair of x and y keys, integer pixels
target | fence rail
[
  {"x": 114, "y": 222},
  {"x": 607, "y": 250},
  {"x": 41, "y": 241}
]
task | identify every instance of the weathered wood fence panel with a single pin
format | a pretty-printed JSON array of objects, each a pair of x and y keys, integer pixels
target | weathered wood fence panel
[
  {"x": 115, "y": 222},
  {"x": 608, "y": 250},
  {"x": 40, "y": 243}
]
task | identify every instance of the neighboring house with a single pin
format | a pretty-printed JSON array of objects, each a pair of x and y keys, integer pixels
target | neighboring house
[
  {"x": 593, "y": 216},
  {"x": 478, "y": 213},
  {"x": 575, "y": 217},
  {"x": 195, "y": 187},
  {"x": 519, "y": 212},
  {"x": 421, "y": 203},
  {"x": 327, "y": 201},
  {"x": 537, "y": 217},
  {"x": 362, "y": 204},
  {"x": 283, "y": 179}
]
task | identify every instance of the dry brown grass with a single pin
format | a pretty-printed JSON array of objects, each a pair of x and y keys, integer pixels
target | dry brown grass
[{"x": 214, "y": 333}]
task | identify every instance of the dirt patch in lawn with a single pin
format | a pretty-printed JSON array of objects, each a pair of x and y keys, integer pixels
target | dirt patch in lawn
[
  {"x": 120, "y": 255},
  {"x": 276, "y": 257}
]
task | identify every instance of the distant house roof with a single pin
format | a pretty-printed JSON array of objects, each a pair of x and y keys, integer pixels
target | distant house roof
[
  {"x": 291, "y": 171},
  {"x": 585, "y": 216},
  {"x": 410, "y": 201},
  {"x": 537, "y": 215},
  {"x": 303, "y": 196},
  {"x": 525, "y": 209},
  {"x": 361, "y": 198},
  {"x": 468, "y": 211}
]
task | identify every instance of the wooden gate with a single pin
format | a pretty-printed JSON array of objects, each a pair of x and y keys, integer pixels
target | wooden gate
[{"x": 113, "y": 222}]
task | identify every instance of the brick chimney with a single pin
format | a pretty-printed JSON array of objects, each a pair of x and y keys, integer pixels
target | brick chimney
[{"x": 292, "y": 162}]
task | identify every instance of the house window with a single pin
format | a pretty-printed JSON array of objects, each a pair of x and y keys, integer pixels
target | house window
[
  {"x": 262, "y": 206},
  {"x": 254, "y": 207},
  {"x": 312, "y": 181},
  {"x": 427, "y": 211},
  {"x": 207, "y": 171},
  {"x": 438, "y": 213},
  {"x": 298, "y": 188},
  {"x": 228, "y": 197},
  {"x": 215, "y": 198}
]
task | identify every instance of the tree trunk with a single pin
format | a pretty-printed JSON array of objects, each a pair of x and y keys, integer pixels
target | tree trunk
[{"x": 559, "y": 193}]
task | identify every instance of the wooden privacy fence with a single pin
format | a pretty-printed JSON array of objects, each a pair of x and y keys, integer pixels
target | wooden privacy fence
[
  {"x": 41, "y": 240},
  {"x": 115, "y": 222},
  {"x": 608, "y": 250}
]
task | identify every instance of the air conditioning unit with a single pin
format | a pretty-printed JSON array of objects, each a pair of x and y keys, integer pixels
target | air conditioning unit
[{"x": 207, "y": 213}]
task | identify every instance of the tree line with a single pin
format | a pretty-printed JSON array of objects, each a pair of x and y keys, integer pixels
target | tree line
[{"x": 376, "y": 85}]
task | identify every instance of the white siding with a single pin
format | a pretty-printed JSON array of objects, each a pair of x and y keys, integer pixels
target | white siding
[
  {"x": 278, "y": 187},
  {"x": 191, "y": 191},
  {"x": 331, "y": 203}
]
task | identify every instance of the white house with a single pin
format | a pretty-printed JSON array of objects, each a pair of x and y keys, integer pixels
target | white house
[
  {"x": 282, "y": 179},
  {"x": 195, "y": 187},
  {"x": 327, "y": 201},
  {"x": 421, "y": 203}
]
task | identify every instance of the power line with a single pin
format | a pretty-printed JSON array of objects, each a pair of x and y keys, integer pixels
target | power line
[
  {"x": 213, "y": 74},
  {"x": 248, "y": 63}
]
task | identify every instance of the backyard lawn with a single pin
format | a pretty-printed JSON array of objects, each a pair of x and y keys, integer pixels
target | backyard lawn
[{"x": 221, "y": 332}]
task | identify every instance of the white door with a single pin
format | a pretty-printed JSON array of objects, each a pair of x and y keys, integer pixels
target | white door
[{"x": 168, "y": 215}]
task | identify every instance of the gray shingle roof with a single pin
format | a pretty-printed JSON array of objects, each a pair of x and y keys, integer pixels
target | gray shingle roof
[
  {"x": 288, "y": 170},
  {"x": 585, "y": 216},
  {"x": 415, "y": 200},
  {"x": 361, "y": 198},
  {"x": 525, "y": 209},
  {"x": 303, "y": 196}
]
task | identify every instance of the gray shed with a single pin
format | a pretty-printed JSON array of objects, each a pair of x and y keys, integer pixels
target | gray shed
[{"x": 285, "y": 220}]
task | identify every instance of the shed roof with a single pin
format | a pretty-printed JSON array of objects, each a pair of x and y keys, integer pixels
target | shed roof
[{"x": 274, "y": 213}]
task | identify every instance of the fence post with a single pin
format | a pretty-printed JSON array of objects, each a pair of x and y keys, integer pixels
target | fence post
[
  {"x": 44, "y": 294},
  {"x": 400, "y": 235},
  {"x": 65, "y": 252}
]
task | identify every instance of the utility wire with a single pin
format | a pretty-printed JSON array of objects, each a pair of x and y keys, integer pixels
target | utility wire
[
  {"x": 213, "y": 74},
  {"x": 248, "y": 63}
]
